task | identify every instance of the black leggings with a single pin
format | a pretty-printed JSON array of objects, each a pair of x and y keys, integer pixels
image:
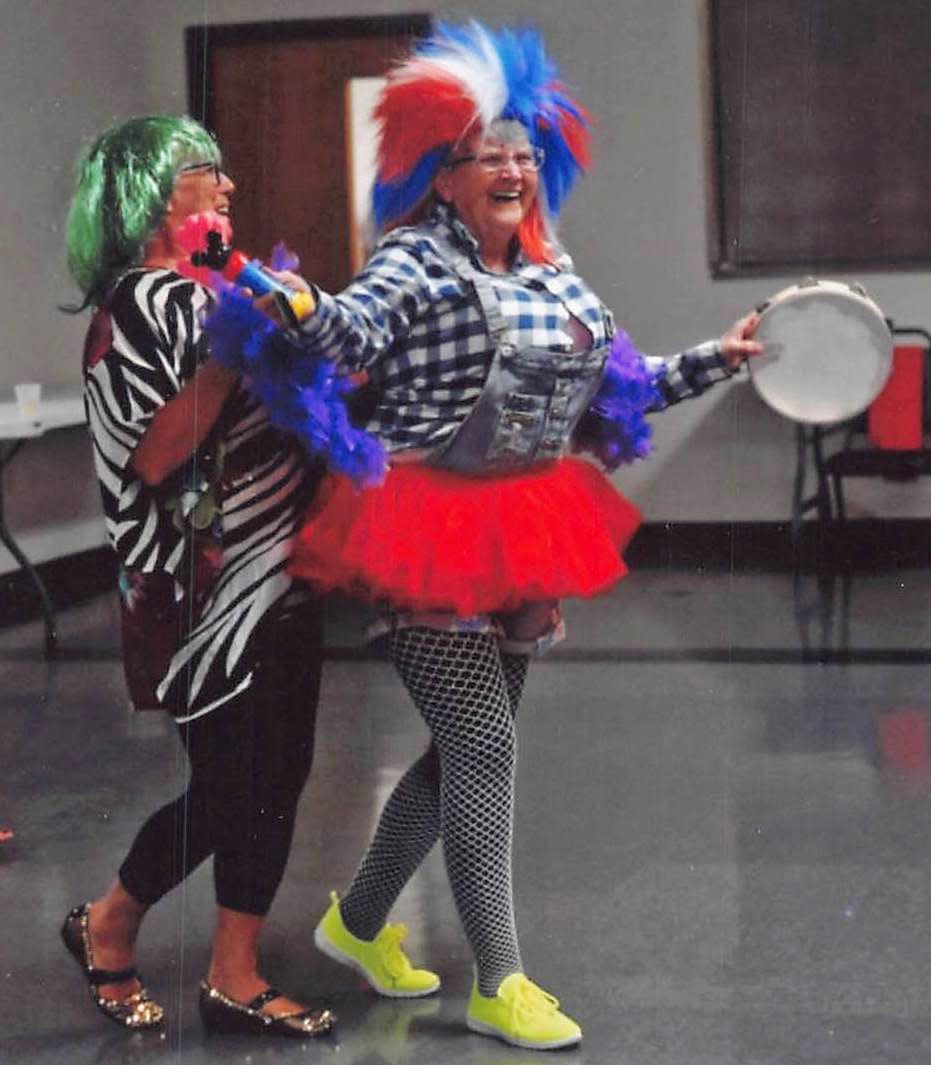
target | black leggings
[{"x": 250, "y": 758}]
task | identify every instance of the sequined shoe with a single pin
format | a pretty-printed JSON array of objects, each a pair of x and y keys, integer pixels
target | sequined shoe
[
  {"x": 138, "y": 1011},
  {"x": 523, "y": 1015},
  {"x": 220, "y": 1013},
  {"x": 381, "y": 961}
]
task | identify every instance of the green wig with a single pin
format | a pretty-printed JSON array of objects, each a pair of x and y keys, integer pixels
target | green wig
[{"x": 124, "y": 182}]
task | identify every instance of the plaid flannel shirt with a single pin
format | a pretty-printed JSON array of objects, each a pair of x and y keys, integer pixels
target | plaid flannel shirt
[{"x": 414, "y": 325}]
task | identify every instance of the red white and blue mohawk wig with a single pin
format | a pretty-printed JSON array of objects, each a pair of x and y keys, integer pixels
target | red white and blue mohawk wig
[{"x": 458, "y": 81}]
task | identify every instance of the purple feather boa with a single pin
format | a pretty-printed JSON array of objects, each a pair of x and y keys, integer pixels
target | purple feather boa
[
  {"x": 282, "y": 258},
  {"x": 614, "y": 428},
  {"x": 303, "y": 393}
]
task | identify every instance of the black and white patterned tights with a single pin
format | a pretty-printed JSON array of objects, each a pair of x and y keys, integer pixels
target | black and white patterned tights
[{"x": 461, "y": 789}]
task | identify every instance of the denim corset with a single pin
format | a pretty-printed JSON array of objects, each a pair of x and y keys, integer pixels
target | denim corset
[{"x": 530, "y": 403}]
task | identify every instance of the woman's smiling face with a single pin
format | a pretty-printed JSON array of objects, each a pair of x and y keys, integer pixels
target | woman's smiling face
[
  {"x": 200, "y": 187},
  {"x": 491, "y": 180}
]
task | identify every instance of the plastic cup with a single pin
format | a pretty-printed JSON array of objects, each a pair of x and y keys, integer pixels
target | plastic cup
[{"x": 28, "y": 399}]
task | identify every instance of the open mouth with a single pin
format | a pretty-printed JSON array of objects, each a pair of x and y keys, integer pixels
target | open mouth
[{"x": 506, "y": 197}]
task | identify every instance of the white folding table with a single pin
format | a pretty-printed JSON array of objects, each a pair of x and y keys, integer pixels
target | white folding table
[{"x": 60, "y": 410}]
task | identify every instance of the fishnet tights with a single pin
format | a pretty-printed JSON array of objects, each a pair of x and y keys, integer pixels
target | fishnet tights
[{"x": 461, "y": 788}]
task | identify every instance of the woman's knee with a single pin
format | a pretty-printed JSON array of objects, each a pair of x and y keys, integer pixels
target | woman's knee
[{"x": 489, "y": 749}]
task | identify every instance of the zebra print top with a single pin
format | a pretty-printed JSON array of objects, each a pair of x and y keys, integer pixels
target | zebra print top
[{"x": 222, "y": 524}]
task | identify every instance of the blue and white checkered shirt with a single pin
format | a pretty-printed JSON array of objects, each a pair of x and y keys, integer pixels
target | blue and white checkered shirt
[{"x": 416, "y": 327}]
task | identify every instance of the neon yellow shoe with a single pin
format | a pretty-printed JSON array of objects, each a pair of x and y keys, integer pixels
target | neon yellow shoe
[
  {"x": 523, "y": 1015},
  {"x": 382, "y": 961}
]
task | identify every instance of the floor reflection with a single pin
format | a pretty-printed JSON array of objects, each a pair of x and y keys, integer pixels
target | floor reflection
[{"x": 721, "y": 853}]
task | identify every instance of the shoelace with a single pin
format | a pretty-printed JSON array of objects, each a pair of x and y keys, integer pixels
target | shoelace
[
  {"x": 390, "y": 939},
  {"x": 529, "y": 999}
]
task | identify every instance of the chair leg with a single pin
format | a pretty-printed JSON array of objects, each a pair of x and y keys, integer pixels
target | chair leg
[
  {"x": 822, "y": 489},
  {"x": 798, "y": 487},
  {"x": 839, "y": 503}
]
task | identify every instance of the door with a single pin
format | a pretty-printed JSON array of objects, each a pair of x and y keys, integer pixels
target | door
[{"x": 275, "y": 94}]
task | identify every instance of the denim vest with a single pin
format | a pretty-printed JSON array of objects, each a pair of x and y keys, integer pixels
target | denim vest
[{"x": 531, "y": 401}]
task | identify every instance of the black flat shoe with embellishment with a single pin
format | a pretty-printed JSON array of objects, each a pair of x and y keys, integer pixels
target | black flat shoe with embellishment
[
  {"x": 220, "y": 1013},
  {"x": 137, "y": 1012}
]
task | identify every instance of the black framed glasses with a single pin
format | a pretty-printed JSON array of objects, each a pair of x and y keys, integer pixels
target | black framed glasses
[
  {"x": 528, "y": 160},
  {"x": 203, "y": 168}
]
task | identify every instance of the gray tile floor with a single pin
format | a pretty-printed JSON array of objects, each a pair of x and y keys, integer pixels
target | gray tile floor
[{"x": 722, "y": 852}]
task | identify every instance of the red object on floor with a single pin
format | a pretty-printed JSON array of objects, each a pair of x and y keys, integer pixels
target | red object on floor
[
  {"x": 903, "y": 739},
  {"x": 894, "y": 420}
]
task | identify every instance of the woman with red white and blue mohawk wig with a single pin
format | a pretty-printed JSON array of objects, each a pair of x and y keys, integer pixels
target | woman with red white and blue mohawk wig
[
  {"x": 462, "y": 81},
  {"x": 492, "y": 360}
]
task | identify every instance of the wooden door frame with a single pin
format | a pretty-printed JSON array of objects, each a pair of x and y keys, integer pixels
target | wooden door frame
[{"x": 199, "y": 39}]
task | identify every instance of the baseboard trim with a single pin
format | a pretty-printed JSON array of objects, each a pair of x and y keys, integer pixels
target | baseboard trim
[
  {"x": 69, "y": 580},
  {"x": 769, "y": 546},
  {"x": 762, "y": 546}
]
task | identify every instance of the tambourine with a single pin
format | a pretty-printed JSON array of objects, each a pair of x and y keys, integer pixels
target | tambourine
[{"x": 827, "y": 351}]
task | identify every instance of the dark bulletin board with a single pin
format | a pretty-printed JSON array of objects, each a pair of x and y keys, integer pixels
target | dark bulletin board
[{"x": 822, "y": 134}]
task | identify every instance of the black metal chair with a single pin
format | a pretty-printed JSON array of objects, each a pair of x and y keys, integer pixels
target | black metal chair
[
  {"x": 836, "y": 452},
  {"x": 829, "y": 551}
]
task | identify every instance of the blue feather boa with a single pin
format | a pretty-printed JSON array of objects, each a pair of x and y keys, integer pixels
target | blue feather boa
[{"x": 304, "y": 394}]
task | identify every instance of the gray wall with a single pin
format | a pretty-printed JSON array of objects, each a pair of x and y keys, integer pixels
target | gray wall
[
  {"x": 637, "y": 228},
  {"x": 65, "y": 69}
]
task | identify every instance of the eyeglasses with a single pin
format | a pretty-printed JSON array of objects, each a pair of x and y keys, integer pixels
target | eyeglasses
[
  {"x": 205, "y": 168},
  {"x": 528, "y": 160}
]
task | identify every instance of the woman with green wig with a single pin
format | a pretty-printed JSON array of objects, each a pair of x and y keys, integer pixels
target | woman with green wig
[{"x": 201, "y": 497}]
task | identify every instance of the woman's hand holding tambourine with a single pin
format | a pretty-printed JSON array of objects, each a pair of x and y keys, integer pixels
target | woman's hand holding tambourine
[{"x": 737, "y": 344}]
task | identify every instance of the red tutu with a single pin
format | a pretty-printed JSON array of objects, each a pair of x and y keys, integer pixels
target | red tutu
[{"x": 428, "y": 539}]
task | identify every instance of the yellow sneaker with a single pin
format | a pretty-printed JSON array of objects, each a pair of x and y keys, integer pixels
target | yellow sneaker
[
  {"x": 382, "y": 961},
  {"x": 523, "y": 1015}
]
